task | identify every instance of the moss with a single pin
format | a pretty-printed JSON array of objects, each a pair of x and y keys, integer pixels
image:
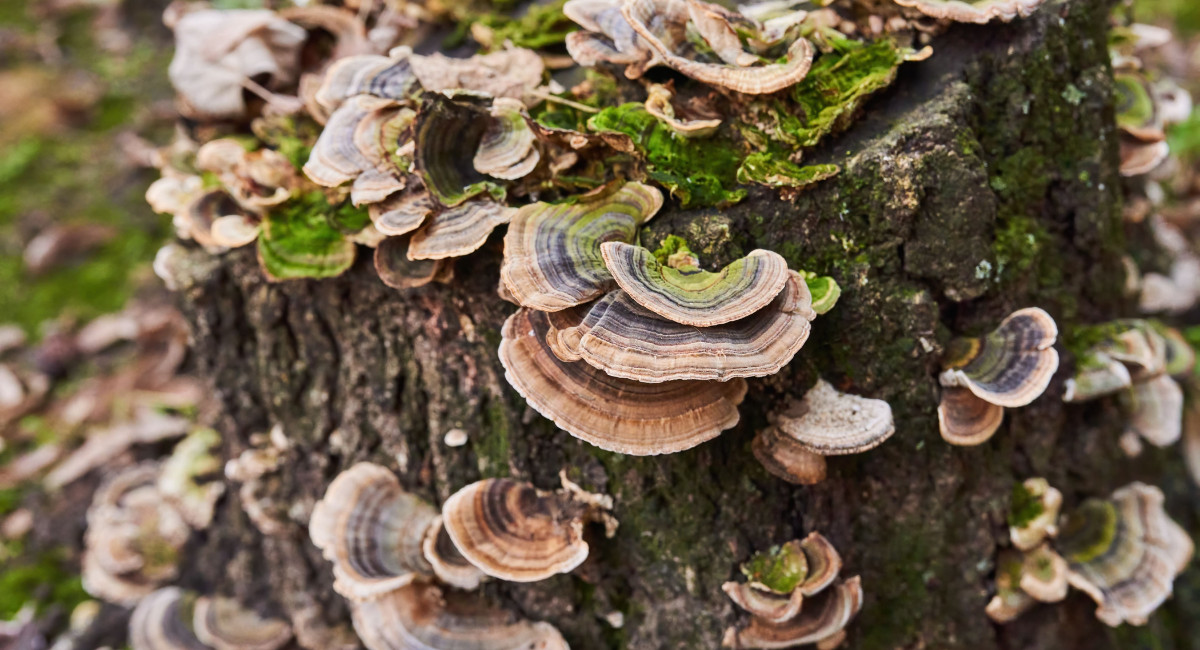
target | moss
[
  {"x": 299, "y": 240},
  {"x": 779, "y": 568},
  {"x": 43, "y": 580},
  {"x": 1018, "y": 248},
  {"x": 543, "y": 25},
  {"x": 10, "y": 498},
  {"x": 292, "y": 136},
  {"x": 1024, "y": 507},
  {"x": 779, "y": 172},
  {"x": 493, "y": 447}
]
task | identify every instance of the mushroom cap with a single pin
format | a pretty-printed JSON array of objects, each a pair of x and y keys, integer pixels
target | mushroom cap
[
  {"x": 824, "y": 563},
  {"x": 448, "y": 563},
  {"x": 1010, "y": 600},
  {"x": 692, "y": 296},
  {"x": 781, "y": 569},
  {"x": 402, "y": 212},
  {"x": 787, "y": 459},
  {"x": 822, "y": 617},
  {"x": 398, "y": 271},
  {"x": 1044, "y": 576},
  {"x": 223, "y": 624},
  {"x": 552, "y": 257},
  {"x": 831, "y": 423},
  {"x": 966, "y": 420},
  {"x": 606, "y": 37},
  {"x": 182, "y": 482},
  {"x": 384, "y": 137},
  {"x": 163, "y": 621},
  {"x": 507, "y": 150},
  {"x": 448, "y": 132},
  {"x": 371, "y": 530},
  {"x": 458, "y": 231},
  {"x": 1156, "y": 410},
  {"x": 368, "y": 74},
  {"x": 626, "y": 340},
  {"x": 510, "y": 73},
  {"x": 974, "y": 11},
  {"x": 336, "y": 158},
  {"x": 234, "y": 230},
  {"x": 615, "y": 414},
  {"x": 1037, "y": 494},
  {"x": 511, "y": 531},
  {"x": 767, "y": 605},
  {"x": 1012, "y": 365},
  {"x": 1180, "y": 355},
  {"x": 302, "y": 246},
  {"x": 1124, "y": 552},
  {"x": 1096, "y": 374},
  {"x": 658, "y": 23},
  {"x": 1138, "y": 158},
  {"x": 1137, "y": 109},
  {"x": 420, "y": 617}
]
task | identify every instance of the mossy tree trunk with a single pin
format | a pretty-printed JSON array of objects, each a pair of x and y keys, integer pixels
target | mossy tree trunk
[{"x": 984, "y": 181}]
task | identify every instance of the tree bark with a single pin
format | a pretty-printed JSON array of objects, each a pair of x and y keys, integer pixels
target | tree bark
[{"x": 984, "y": 181}]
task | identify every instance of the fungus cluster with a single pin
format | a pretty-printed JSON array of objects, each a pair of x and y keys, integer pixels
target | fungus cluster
[
  {"x": 390, "y": 550},
  {"x": 794, "y": 597},
  {"x": 1008, "y": 368},
  {"x": 1138, "y": 361},
  {"x": 175, "y": 619},
  {"x": 1124, "y": 552}
]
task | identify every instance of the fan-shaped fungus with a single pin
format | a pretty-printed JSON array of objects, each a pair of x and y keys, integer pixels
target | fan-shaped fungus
[
  {"x": 1012, "y": 365},
  {"x": 831, "y": 423},
  {"x": 224, "y": 624},
  {"x": 974, "y": 11}
]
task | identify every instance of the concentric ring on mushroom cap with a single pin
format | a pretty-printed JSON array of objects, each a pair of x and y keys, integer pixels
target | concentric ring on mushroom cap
[
  {"x": 767, "y": 605},
  {"x": 371, "y": 530},
  {"x": 448, "y": 563},
  {"x": 1137, "y": 109},
  {"x": 821, "y": 618},
  {"x": 420, "y": 617},
  {"x": 1124, "y": 552},
  {"x": 966, "y": 420},
  {"x": 644, "y": 17},
  {"x": 224, "y": 624},
  {"x": 507, "y": 149},
  {"x": 397, "y": 271},
  {"x": 974, "y": 11},
  {"x": 831, "y": 423},
  {"x": 402, "y": 212},
  {"x": 615, "y": 414},
  {"x": 162, "y": 621},
  {"x": 448, "y": 132},
  {"x": 787, "y": 459},
  {"x": 1012, "y": 365},
  {"x": 626, "y": 340},
  {"x": 368, "y": 74},
  {"x": 335, "y": 158},
  {"x": 692, "y": 296},
  {"x": 552, "y": 257},
  {"x": 824, "y": 563},
  {"x": 458, "y": 231},
  {"x": 511, "y": 531}
]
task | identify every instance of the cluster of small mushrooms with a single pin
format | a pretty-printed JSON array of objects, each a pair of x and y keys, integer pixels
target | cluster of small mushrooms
[{"x": 633, "y": 350}]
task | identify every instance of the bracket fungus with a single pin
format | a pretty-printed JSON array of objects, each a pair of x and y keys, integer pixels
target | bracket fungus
[
  {"x": 507, "y": 150},
  {"x": 681, "y": 291},
  {"x": 1007, "y": 368},
  {"x": 1155, "y": 408},
  {"x": 421, "y": 617},
  {"x": 1044, "y": 575},
  {"x": 784, "y": 457},
  {"x": 224, "y": 624},
  {"x": 832, "y": 423},
  {"x": 1010, "y": 600},
  {"x": 163, "y": 621},
  {"x": 1124, "y": 552},
  {"x": 448, "y": 563},
  {"x": 626, "y": 340},
  {"x": 1034, "y": 517},
  {"x": 974, "y": 11},
  {"x": 402, "y": 212},
  {"x": 822, "y": 619},
  {"x": 372, "y": 532},
  {"x": 552, "y": 257},
  {"x": 458, "y": 231},
  {"x": 620, "y": 415},
  {"x": 388, "y": 77},
  {"x": 512, "y": 531},
  {"x": 398, "y": 270},
  {"x": 449, "y": 131}
]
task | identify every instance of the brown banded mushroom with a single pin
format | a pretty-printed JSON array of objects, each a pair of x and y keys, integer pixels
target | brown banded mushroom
[
  {"x": 626, "y": 340},
  {"x": 966, "y": 420},
  {"x": 163, "y": 621},
  {"x": 784, "y": 457},
  {"x": 615, "y": 414},
  {"x": 512, "y": 531},
  {"x": 458, "y": 231},
  {"x": 1139, "y": 158},
  {"x": 402, "y": 212},
  {"x": 974, "y": 11},
  {"x": 507, "y": 150},
  {"x": 366, "y": 142},
  {"x": 185, "y": 478},
  {"x": 552, "y": 257},
  {"x": 224, "y": 624},
  {"x": 780, "y": 580},
  {"x": 823, "y": 617},
  {"x": 420, "y": 617},
  {"x": 1010, "y": 600},
  {"x": 512, "y": 73},
  {"x": 398, "y": 271},
  {"x": 684, "y": 293},
  {"x": 1044, "y": 575},
  {"x": 766, "y": 605},
  {"x": 1124, "y": 552},
  {"x": 387, "y": 77},
  {"x": 1009, "y": 367},
  {"x": 832, "y": 423},
  {"x": 1155, "y": 408},
  {"x": 1027, "y": 533},
  {"x": 371, "y": 530},
  {"x": 448, "y": 563},
  {"x": 606, "y": 37}
]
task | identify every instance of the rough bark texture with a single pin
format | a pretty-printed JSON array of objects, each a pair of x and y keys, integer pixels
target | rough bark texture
[{"x": 984, "y": 181}]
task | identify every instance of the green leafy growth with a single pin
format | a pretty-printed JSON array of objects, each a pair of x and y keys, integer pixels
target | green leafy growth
[
  {"x": 1025, "y": 506},
  {"x": 348, "y": 219},
  {"x": 824, "y": 289},
  {"x": 42, "y": 580},
  {"x": 542, "y": 26},
  {"x": 1184, "y": 137},
  {"x": 298, "y": 241},
  {"x": 780, "y": 569},
  {"x": 671, "y": 245},
  {"x": 698, "y": 173},
  {"x": 291, "y": 136},
  {"x": 775, "y": 171},
  {"x": 838, "y": 85}
]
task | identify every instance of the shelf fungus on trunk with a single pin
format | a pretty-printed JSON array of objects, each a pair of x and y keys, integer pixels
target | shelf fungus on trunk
[
  {"x": 832, "y": 423},
  {"x": 399, "y": 271},
  {"x": 1007, "y": 368},
  {"x": 511, "y": 72},
  {"x": 822, "y": 620},
  {"x": 1010, "y": 601},
  {"x": 458, "y": 231},
  {"x": 163, "y": 620},
  {"x": 1044, "y": 575},
  {"x": 784, "y": 457},
  {"x": 508, "y": 148},
  {"x": 1124, "y": 552},
  {"x": 512, "y": 531},
  {"x": 1155, "y": 410},
  {"x": 372, "y": 532},
  {"x": 402, "y": 212},
  {"x": 552, "y": 257},
  {"x": 1033, "y": 513},
  {"x": 366, "y": 142},
  {"x": 419, "y": 617},
  {"x": 448, "y": 563},
  {"x": 387, "y": 77},
  {"x": 781, "y": 595},
  {"x": 224, "y": 624},
  {"x": 449, "y": 131},
  {"x": 185, "y": 478},
  {"x": 620, "y": 415},
  {"x": 626, "y": 340},
  {"x": 679, "y": 290},
  {"x": 974, "y": 11},
  {"x": 134, "y": 535}
]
